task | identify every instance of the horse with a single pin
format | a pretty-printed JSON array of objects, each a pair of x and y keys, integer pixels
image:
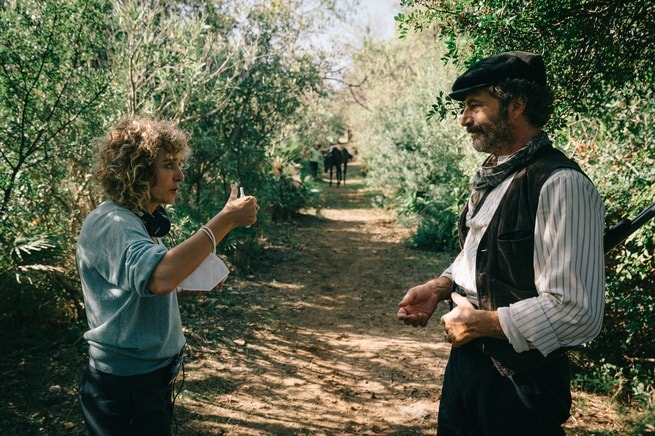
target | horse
[
  {"x": 345, "y": 157},
  {"x": 332, "y": 161}
]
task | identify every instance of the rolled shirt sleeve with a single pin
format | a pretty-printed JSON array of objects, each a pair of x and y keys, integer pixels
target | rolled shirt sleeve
[{"x": 569, "y": 269}]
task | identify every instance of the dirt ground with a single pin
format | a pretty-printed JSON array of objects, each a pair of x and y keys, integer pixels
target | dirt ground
[
  {"x": 307, "y": 344},
  {"x": 315, "y": 348}
]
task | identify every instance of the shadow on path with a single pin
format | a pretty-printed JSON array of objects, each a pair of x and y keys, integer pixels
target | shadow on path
[{"x": 310, "y": 343}]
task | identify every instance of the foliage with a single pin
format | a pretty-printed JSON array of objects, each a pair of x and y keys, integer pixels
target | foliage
[
  {"x": 602, "y": 378},
  {"x": 288, "y": 194},
  {"x": 236, "y": 77},
  {"x": 588, "y": 45},
  {"x": 245, "y": 143},
  {"x": 616, "y": 147},
  {"x": 172, "y": 59},
  {"x": 51, "y": 86},
  {"x": 29, "y": 263},
  {"x": 419, "y": 165}
]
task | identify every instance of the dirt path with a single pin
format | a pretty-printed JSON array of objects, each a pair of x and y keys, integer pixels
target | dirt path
[
  {"x": 322, "y": 352},
  {"x": 309, "y": 345}
]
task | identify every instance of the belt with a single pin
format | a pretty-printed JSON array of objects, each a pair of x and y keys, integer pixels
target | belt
[{"x": 470, "y": 295}]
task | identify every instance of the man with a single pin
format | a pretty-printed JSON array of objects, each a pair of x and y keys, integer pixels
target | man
[
  {"x": 314, "y": 159},
  {"x": 528, "y": 282}
]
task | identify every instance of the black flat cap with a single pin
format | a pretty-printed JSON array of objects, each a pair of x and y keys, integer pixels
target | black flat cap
[{"x": 496, "y": 68}]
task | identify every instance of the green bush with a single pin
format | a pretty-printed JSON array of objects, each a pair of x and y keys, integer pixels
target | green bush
[
  {"x": 616, "y": 147},
  {"x": 420, "y": 166}
]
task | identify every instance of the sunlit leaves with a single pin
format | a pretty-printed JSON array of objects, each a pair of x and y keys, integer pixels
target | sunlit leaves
[{"x": 587, "y": 45}]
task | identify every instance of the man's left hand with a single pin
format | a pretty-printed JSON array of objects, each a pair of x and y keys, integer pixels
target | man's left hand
[
  {"x": 456, "y": 322},
  {"x": 465, "y": 323}
]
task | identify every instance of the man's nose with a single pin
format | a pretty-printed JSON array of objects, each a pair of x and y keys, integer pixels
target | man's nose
[{"x": 466, "y": 119}]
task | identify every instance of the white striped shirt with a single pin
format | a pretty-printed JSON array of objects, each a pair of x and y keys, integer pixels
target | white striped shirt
[{"x": 568, "y": 263}]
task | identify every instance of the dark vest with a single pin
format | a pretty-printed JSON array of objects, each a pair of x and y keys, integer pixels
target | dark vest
[{"x": 504, "y": 271}]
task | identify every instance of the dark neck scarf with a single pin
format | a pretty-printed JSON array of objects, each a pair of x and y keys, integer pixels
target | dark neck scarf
[{"x": 490, "y": 175}]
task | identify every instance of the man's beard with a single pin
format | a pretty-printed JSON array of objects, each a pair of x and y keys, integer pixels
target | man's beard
[{"x": 494, "y": 136}]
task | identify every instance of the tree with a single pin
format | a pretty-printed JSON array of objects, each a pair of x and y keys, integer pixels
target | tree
[
  {"x": 235, "y": 76},
  {"x": 417, "y": 164},
  {"x": 171, "y": 57},
  {"x": 53, "y": 81},
  {"x": 242, "y": 143},
  {"x": 589, "y": 46}
]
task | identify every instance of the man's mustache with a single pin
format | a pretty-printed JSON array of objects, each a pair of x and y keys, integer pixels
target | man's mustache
[{"x": 474, "y": 129}]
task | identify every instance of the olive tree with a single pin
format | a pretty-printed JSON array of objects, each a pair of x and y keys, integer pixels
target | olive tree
[{"x": 53, "y": 83}]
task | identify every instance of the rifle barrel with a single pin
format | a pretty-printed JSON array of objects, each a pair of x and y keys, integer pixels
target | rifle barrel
[{"x": 624, "y": 228}]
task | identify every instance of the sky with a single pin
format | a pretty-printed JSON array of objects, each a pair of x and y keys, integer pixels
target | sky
[
  {"x": 378, "y": 15},
  {"x": 365, "y": 19},
  {"x": 374, "y": 17}
]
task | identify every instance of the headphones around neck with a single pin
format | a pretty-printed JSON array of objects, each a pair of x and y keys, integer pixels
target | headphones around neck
[{"x": 157, "y": 224}]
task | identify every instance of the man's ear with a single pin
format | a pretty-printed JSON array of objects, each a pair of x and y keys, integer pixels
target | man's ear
[{"x": 516, "y": 108}]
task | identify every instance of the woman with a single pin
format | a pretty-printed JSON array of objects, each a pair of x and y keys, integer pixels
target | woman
[{"x": 131, "y": 280}]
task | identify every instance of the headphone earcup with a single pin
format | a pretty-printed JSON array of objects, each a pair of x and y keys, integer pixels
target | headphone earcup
[{"x": 157, "y": 224}]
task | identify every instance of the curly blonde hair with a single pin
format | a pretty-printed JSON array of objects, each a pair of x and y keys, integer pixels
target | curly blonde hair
[{"x": 126, "y": 155}]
